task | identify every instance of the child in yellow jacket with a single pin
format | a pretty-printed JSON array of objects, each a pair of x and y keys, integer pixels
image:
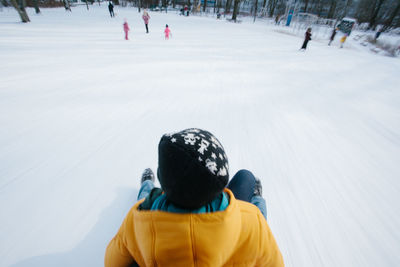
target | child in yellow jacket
[{"x": 194, "y": 219}]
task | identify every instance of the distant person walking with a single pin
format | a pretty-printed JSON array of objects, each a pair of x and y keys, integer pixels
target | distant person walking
[
  {"x": 186, "y": 9},
  {"x": 306, "y": 39},
  {"x": 333, "y": 35},
  {"x": 111, "y": 9},
  {"x": 167, "y": 32},
  {"x": 378, "y": 33},
  {"x": 146, "y": 18},
  {"x": 342, "y": 40},
  {"x": 126, "y": 29}
]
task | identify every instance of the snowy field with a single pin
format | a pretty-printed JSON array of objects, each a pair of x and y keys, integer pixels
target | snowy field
[{"x": 82, "y": 111}]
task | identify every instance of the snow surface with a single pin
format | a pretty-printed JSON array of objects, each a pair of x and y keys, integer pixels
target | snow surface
[{"x": 82, "y": 111}]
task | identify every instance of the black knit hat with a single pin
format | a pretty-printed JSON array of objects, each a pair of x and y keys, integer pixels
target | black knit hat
[{"x": 192, "y": 167}]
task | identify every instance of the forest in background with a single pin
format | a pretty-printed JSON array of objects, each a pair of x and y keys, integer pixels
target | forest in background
[{"x": 372, "y": 13}]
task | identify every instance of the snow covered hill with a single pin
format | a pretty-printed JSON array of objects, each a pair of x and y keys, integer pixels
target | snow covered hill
[{"x": 82, "y": 111}]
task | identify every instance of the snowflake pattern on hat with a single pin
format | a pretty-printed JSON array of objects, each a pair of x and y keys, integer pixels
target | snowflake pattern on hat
[{"x": 208, "y": 149}]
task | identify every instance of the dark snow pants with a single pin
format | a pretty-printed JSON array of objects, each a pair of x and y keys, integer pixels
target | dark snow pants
[
  {"x": 242, "y": 186},
  {"x": 305, "y": 44}
]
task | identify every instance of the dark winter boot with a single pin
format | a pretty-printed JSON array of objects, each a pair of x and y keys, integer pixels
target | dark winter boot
[
  {"x": 147, "y": 175},
  {"x": 258, "y": 188}
]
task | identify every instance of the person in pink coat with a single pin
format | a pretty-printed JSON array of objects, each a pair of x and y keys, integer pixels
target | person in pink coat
[
  {"x": 126, "y": 29},
  {"x": 167, "y": 32},
  {"x": 146, "y": 18}
]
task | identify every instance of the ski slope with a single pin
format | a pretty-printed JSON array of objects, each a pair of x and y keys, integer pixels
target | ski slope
[{"x": 82, "y": 111}]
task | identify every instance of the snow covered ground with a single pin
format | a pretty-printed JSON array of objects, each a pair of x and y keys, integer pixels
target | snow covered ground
[{"x": 82, "y": 111}]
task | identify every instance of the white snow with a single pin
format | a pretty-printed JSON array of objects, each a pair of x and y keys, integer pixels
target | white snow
[{"x": 82, "y": 111}]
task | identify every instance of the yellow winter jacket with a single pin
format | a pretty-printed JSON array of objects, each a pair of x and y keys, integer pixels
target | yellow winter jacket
[{"x": 237, "y": 236}]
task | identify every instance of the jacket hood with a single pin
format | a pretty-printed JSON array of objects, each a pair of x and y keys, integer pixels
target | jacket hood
[{"x": 205, "y": 238}]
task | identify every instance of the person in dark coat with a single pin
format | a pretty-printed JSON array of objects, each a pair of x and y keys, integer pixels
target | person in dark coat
[
  {"x": 186, "y": 10},
  {"x": 307, "y": 38},
  {"x": 333, "y": 35},
  {"x": 378, "y": 33},
  {"x": 111, "y": 9}
]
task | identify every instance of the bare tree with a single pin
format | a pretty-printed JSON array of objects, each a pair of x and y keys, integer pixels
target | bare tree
[
  {"x": 271, "y": 7},
  {"x": 370, "y": 11},
  {"x": 36, "y": 6},
  {"x": 219, "y": 5},
  {"x": 4, "y": 3},
  {"x": 332, "y": 9},
  {"x": 373, "y": 18},
  {"x": 228, "y": 6},
  {"x": 305, "y": 5},
  {"x": 264, "y": 3},
  {"x": 235, "y": 9},
  {"x": 389, "y": 21},
  {"x": 255, "y": 10},
  {"x": 67, "y": 6},
  {"x": 21, "y": 10}
]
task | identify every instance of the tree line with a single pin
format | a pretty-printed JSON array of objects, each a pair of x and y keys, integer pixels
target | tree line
[{"x": 372, "y": 12}]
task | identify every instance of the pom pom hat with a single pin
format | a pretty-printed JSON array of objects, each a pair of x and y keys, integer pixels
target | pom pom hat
[{"x": 192, "y": 167}]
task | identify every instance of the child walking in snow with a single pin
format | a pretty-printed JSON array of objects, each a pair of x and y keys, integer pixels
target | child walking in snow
[
  {"x": 333, "y": 35},
  {"x": 146, "y": 18},
  {"x": 306, "y": 39},
  {"x": 167, "y": 32},
  {"x": 194, "y": 219},
  {"x": 126, "y": 29},
  {"x": 111, "y": 9}
]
